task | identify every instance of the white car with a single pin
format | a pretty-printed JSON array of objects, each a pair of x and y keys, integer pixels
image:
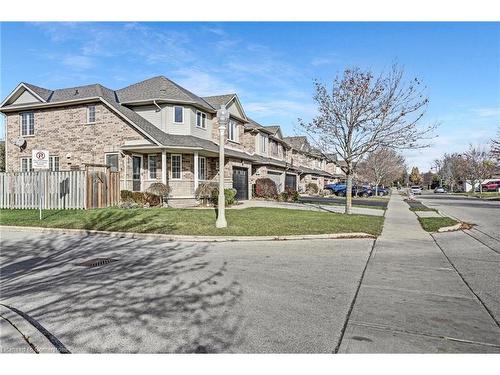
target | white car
[{"x": 416, "y": 190}]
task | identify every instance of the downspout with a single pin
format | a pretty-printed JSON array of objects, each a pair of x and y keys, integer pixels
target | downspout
[{"x": 156, "y": 104}]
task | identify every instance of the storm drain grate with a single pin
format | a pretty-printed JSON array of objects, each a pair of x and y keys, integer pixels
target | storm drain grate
[{"x": 97, "y": 262}]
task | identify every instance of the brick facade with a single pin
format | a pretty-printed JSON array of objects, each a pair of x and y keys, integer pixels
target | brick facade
[{"x": 64, "y": 132}]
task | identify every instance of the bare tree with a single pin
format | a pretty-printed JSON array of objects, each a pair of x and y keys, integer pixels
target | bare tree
[
  {"x": 382, "y": 166},
  {"x": 363, "y": 113},
  {"x": 479, "y": 166},
  {"x": 451, "y": 169},
  {"x": 495, "y": 146}
]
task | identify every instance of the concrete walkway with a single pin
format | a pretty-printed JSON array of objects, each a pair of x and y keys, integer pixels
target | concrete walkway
[
  {"x": 308, "y": 207},
  {"x": 412, "y": 300}
]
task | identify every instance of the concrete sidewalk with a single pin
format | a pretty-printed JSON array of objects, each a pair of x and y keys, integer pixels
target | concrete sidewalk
[{"x": 412, "y": 300}]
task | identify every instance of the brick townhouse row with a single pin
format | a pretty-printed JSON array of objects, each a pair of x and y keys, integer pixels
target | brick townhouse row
[{"x": 156, "y": 131}]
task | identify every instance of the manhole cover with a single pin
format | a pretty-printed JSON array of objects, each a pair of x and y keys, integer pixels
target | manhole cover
[{"x": 97, "y": 262}]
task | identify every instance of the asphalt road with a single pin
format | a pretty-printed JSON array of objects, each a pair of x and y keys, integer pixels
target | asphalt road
[
  {"x": 474, "y": 253},
  {"x": 246, "y": 297}
]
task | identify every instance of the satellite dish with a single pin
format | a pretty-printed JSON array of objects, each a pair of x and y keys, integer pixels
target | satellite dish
[{"x": 20, "y": 142}]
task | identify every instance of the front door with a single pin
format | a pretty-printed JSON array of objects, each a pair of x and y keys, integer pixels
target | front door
[
  {"x": 136, "y": 173},
  {"x": 240, "y": 183}
]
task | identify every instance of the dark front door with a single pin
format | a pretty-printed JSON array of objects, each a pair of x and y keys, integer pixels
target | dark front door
[
  {"x": 291, "y": 181},
  {"x": 136, "y": 173},
  {"x": 240, "y": 183}
]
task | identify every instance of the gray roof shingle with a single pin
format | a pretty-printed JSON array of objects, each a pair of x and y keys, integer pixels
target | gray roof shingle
[
  {"x": 159, "y": 88},
  {"x": 40, "y": 91},
  {"x": 217, "y": 100}
]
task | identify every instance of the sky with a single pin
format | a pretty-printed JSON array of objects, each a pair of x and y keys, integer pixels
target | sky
[{"x": 272, "y": 66}]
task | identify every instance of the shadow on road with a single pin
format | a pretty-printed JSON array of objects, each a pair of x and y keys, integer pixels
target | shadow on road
[{"x": 157, "y": 297}]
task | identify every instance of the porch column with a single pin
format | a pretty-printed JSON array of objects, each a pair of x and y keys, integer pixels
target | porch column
[
  {"x": 164, "y": 166},
  {"x": 196, "y": 170}
]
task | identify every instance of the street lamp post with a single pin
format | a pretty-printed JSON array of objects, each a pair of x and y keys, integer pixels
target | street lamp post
[{"x": 222, "y": 116}]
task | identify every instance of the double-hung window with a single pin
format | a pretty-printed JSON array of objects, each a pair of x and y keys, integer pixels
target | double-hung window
[
  {"x": 201, "y": 120},
  {"x": 202, "y": 168},
  {"x": 176, "y": 161},
  {"x": 91, "y": 114},
  {"x": 54, "y": 163},
  {"x": 27, "y": 124},
  {"x": 152, "y": 164},
  {"x": 26, "y": 165},
  {"x": 232, "y": 131},
  {"x": 112, "y": 162},
  {"x": 178, "y": 114}
]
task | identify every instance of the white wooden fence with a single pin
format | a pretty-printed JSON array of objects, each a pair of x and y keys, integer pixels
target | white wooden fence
[{"x": 58, "y": 190}]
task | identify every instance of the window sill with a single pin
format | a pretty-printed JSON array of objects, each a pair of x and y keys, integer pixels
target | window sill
[
  {"x": 27, "y": 136},
  {"x": 90, "y": 123},
  {"x": 235, "y": 142},
  {"x": 201, "y": 128}
]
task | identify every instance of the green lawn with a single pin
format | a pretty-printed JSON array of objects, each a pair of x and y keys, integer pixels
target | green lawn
[
  {"x": 432, "y": 224},
  {"x": 244, "y": 222}
]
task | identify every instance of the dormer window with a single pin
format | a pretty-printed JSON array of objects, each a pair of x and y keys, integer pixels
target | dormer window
[
  {"x": 178, "y": 114},
  {"x": 201, "y": 120},
  {"x": 264, "y": 141},
  {"x": 232, "y": 131},
  {"x": 91, "y": 114}
]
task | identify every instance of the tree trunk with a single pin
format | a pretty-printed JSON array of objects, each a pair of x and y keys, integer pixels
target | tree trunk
[{"x": 348, "y": 193}]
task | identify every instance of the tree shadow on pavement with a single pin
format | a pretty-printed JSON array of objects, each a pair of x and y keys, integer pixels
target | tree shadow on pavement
[{"x": 158, "y": 297}]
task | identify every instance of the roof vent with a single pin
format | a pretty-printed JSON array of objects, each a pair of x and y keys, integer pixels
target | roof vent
[{"x": 76, "y": 91}]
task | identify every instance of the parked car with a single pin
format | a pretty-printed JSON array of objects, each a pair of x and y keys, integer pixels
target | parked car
[
  {"x": 416, "y": 190},
  {"x": 440, "y": 190},
  {"x": 381, "y": 191},
  {"x": 357, "y": 191},
  {"x": 492, "y": 186},
  {"x": 335, "y": 188}
]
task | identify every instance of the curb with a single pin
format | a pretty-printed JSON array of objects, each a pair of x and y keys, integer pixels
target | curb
[
  {"x": 451, "y": 228},
  {"x": 184, "y": 238},
  {"x": 29, "y": 338}
]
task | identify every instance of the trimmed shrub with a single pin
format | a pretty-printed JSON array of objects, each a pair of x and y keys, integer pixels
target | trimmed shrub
[
  {"x": 159, "y": 189},
  {"x": 204, "y": 192},
  {"x": 152, "y": 200},
  {"x": 312, "y": 188},
  {"x": 229, "y": 196},
  {"x": 126, "y": 195},
  {"x": 138, "y": 197},
  {"x": 265, "y": 188}
]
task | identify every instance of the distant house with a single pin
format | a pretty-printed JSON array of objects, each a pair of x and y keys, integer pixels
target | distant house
[{"x": 155, "y": 130}]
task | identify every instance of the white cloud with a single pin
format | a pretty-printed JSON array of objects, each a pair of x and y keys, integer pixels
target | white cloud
[
  {"x": 203, "y": 83},
  {"x": 487, "y": 112},
  {"x": 325, "y": 60},
  {"x": 78, "y": 62}
]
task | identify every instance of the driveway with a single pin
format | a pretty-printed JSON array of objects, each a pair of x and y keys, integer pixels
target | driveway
[{"x": 248, "y": 297}]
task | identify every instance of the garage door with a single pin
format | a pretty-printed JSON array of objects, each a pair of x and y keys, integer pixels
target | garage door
[
  {"x": 240, "y": 183},
  {"x": 291, "y": 181}
]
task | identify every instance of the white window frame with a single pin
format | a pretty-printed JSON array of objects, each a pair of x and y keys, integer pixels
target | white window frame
[
  {"x": 155, "y": 156},
  {"x": 27, "y": 125},
  {"x": 29, "y": 165},
  {"x": 172, "y": 167},
  {"x": 52, "y": 165},
  {"x": 88, "y": 114},
  {"x": 173, "y": 114},
  {"x": 112, "y": 153},
  {"x": 232, "y": 131},
  {"x": 264, "y": 144},
  {"x": 203, "y": 118},
  {"x": 204, "y": 169}
]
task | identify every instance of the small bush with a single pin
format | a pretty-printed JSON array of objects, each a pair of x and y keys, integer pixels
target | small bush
[
  {"x": 159, "y": 189},
  {"x": 229, "y": 196},
  {"x": 152, "y": 200},
  {"x": 289, "y": 195},
  {"x": 204, "y": 190},
  {"x": 126, "y": 195},
  {"x": 138, "y": 197},
  {"x": 265, "y": 188},
  {"x": 312, "y": 188}
]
